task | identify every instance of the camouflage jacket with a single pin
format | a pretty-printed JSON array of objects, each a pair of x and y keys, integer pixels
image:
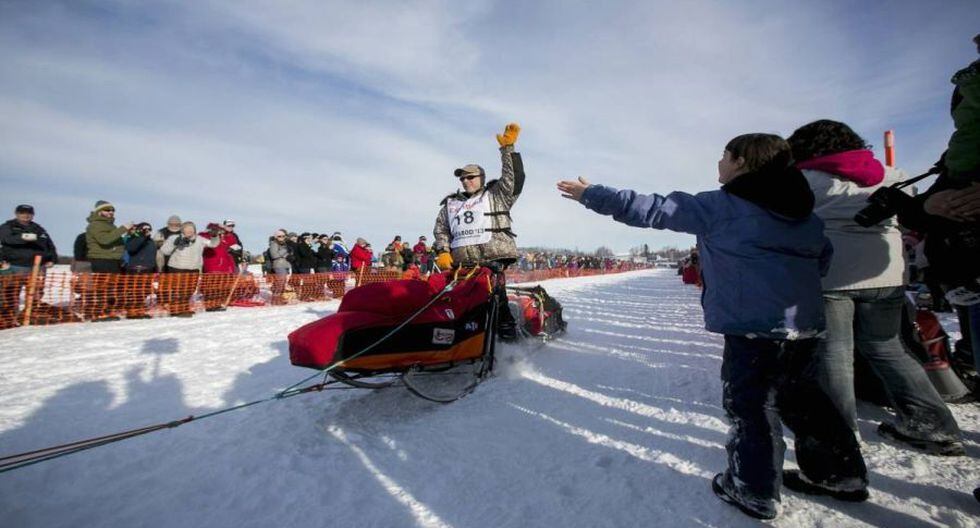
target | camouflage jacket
[{"x": 502, "y": 194}]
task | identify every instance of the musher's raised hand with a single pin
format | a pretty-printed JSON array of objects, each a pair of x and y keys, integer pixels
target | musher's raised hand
[
  {"x": 573, "y": 189},
  {"x": 509, "y": 137}
]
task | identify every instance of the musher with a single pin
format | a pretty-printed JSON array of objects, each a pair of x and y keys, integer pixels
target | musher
[{"x": 474, "y": 225}]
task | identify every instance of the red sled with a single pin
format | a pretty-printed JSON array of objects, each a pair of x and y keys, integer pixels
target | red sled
[{"x": 406, "y": 330}]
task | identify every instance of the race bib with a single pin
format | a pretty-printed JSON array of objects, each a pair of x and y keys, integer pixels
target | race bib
[{"x": 468, "y": 222}]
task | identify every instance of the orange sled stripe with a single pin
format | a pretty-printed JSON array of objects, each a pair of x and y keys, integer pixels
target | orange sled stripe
[{"x": 472, "y": 348}]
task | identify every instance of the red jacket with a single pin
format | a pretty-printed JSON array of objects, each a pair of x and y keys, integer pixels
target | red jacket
[
  {"x": 359, "y": 256},
  {"x": 421, "y": 252},
  {"x": 217, "y": 260}
]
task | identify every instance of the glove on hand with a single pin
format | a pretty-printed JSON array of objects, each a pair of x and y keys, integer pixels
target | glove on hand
[
  {"x": 509, "y": 137},
  {"x": 28, "y": 237},
  {"x": 444, "y": 261}
]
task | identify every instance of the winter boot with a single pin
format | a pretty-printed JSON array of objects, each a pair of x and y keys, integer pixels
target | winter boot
[
  {"x": 507, "y": 330},
  {"x": 506, "y": 325},
  {"x": 725, "y": 490},
  {"x": 932, "y": 447},
  {"x": 796, "y": 481}
]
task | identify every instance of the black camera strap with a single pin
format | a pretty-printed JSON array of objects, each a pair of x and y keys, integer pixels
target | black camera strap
[{"x": 905, "y": 183}]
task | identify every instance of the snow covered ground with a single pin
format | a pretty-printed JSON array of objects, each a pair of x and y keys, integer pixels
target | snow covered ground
[{"x": 617, "y": 424}]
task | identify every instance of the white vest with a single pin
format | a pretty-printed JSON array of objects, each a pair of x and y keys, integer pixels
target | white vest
[{"x": 469, "y": 224}]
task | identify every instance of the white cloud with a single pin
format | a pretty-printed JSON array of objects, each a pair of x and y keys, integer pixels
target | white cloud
[{"x": 350, "y": 116}]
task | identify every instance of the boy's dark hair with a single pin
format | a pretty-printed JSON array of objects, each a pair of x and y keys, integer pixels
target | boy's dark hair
[
  {"x": 760, "y": 150},
  {"x": 824, "y": 137}
]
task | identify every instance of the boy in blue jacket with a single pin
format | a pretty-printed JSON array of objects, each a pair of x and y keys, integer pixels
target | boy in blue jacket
[{"x": 762, "y": 255}]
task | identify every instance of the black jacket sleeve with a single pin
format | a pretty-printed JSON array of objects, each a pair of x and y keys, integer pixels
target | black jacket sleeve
[
  {"x": 518, "y": 172},
  {"x": 135, "y": 244}
]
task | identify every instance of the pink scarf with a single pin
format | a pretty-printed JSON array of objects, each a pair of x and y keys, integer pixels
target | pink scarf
[{"x": 858, "y": 166}]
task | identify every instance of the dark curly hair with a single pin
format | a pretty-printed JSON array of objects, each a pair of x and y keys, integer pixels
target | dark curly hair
[{"x": 822, "y": 138}]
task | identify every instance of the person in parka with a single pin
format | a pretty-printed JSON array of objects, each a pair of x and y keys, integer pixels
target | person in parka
[
  {"x": 186, "y": 252},
  {"x": 104, "y": 240},
  {"x": 325, "y": 255},
  {"x": 305, "y": 257},
  {"x": 172, "y": 228},
  {"x": 963, "y": 154},
  {"x": 21, "y": 240},
  {"x": 763, "y": 253},
  {"x": 474, "y": 224},
  {"x": 142, "y": 261}
]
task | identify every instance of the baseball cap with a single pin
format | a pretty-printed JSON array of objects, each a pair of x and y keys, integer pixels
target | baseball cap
[{"x": 469, "y": 170}]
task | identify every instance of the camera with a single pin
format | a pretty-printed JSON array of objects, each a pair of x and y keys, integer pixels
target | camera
[
  {"x": 888, "y": 201},
  {"x": 883, "y": 204}
]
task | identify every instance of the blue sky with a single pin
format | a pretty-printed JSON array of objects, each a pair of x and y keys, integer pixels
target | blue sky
[{"x": 351, "y": 116}]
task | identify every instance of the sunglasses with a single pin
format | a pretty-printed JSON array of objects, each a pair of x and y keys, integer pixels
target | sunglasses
[
  {"x": 109, "y": 210},
  {"x": 467, "y": 178}
]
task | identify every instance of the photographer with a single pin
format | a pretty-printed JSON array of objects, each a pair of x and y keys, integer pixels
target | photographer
[
  {"x": 949, "y": 211},
  {"x": 104, "y": 246},
  {"x": 172, "y": 228},
  {"x": 236, "y": 249},
  {"x": 185, "y": 252},
  {"x": 142, "y": 263},
  {"x": 864, "y": 290},
  {"x": 219, "y": 266},
  {"x": 325, "y": 255}
]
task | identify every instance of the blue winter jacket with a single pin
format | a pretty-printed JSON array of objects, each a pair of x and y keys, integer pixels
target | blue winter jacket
[{"x": 761, "y": 271}]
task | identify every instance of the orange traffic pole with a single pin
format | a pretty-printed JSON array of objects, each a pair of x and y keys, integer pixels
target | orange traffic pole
[
  {"x": 890, "y": 148},
  {"x": 31, "y": 290}
]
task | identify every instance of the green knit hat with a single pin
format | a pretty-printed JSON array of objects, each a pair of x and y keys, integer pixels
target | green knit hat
[{"x": 102, "y": 204}]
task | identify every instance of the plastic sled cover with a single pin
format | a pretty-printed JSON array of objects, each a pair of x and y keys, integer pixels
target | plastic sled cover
[{"x": 451, "y": 330}]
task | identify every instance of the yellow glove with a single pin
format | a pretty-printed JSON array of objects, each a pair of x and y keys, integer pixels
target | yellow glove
[
  {"x": 444, "y": 261},
  {"x": 509, "y": 137}
]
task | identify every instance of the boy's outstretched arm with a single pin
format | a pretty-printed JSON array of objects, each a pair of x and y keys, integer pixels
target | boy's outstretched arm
[{"x": 677, "y": 211}]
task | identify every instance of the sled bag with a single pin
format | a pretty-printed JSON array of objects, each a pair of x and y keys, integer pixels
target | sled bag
[
  {"x": 536, "y": 311},
  {"x": 453, "y": 329}
]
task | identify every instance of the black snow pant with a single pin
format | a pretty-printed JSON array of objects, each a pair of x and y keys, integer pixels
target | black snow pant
[
  {"x": 766, "y": 380},
  {"x": 506, "y": 324}
]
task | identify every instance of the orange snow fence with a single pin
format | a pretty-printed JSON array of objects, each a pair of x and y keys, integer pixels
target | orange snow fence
[{"x": 54, "y": 296}]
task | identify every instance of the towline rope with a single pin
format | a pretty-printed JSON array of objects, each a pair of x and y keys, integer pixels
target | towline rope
[{"x": 29, "y": 458}]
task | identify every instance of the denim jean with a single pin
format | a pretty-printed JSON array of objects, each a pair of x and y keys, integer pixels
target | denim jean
[
  {"x": 868, "y": 321},
  {"x": 767, "y": 381}
]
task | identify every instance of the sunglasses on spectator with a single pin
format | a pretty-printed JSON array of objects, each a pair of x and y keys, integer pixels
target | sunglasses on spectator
[
  {"x": 110, "y": 210},
  {"x": 467, "y": 178}
]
